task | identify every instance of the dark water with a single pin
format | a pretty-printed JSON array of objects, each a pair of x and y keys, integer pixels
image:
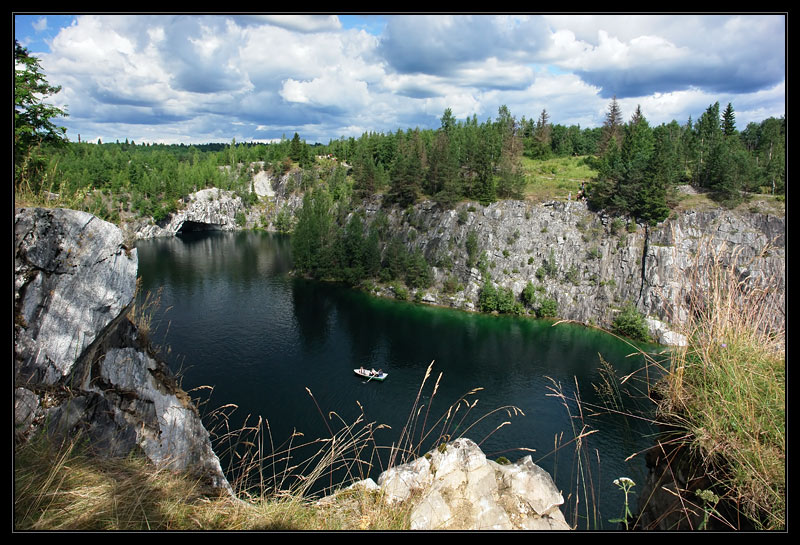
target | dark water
[{"x": 232, "y": 318}]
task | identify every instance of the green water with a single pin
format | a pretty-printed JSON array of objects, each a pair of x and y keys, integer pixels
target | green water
[{"x": 233, "y": 318}]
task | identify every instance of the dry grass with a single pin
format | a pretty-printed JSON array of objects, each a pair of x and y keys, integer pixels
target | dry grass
[
  {"x": 727, "y": 388},
  {"x": 278, "y": 487}
]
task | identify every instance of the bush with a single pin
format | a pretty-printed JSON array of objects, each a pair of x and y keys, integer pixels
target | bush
[
  {"x": 630, "y": 323},
  {"x": 240, "y": 219},
  {"x": 472, "y": 248},
  {"x": 594, "y": 253},
  {"x": 572, "y": 275},
  {"x": 548, "y": 309},
  {"x": 528, "y": 295},
  {"x": 616, "y": 226},
  {"x": 400, "y": 292}
]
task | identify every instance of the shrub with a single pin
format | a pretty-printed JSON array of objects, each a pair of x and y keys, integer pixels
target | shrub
[
  {"x": 572, "y": 275},
  {"x": 472, "y": 248},
  {"x": 240, "y": 219},
  {"x": 528, "y": 295},
  {"x": 550, "y": 266},
  {"x": 400, "y": 292},
  {"x": 594, "y": 253},
  {"x": 548, "y": 309},
  {"x": 630, "y": 323}
]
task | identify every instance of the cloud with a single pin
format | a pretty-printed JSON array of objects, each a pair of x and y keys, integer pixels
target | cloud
[
  {"x": 40, "y": 25},
  {"x": 442, "y": 44},
  {"x": 259, "y": 76},
  {"x": 299, "y": 23},
  {"x": 641, "y": 55}
]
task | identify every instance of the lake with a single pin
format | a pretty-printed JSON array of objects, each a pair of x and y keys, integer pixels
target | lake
[{"x": 229, "y": 315}]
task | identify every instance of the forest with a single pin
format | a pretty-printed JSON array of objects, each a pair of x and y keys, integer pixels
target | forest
[
  {"x": 638, "y": 169},
  {"x": 638, "y": 166}
]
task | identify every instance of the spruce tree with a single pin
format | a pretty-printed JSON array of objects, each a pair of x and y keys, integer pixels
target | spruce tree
[
  {"x": 612, "y": 126},
  {"x": 728, "y": 121}
]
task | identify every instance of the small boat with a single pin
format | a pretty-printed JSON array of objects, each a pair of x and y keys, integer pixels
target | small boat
[{"x": 371, "y": 374}]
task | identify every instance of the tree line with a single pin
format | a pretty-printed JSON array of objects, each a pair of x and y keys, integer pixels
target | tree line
[{"x": 639, "y": 166}]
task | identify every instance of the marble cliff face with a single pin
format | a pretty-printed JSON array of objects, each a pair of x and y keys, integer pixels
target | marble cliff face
[{"x": 80, "y": 364}]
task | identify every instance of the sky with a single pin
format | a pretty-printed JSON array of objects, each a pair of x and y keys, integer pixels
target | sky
[{"x": 191, "y": 78}]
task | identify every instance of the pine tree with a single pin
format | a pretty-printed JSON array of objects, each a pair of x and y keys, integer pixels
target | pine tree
[
  {"x": 295, "y": 148},
  {"x": 728, "y": 121},
  {"x": 407, "y": 171},
  {"x": 612, "y": 126},
  {"x": 442, "y": 176},
  {"x": 33, "y": 118},
  {"x": 542, "y": 137},
  {"x": 511, "y": 182},
  {"x": 707, "y": 137}
]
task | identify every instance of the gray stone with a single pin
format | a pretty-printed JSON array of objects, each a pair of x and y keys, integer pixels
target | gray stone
[
  {"x": 653, "y": 267},
  {"x": 73, "y": 277},
  {"x": 455, "y": 487},
  {"x": 79, "y": 364}
]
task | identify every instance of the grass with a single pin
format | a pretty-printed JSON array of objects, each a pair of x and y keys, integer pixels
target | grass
[
  {"x": 727, "y": 390},
  {"x": 554, "y": 179},
  {"x": 66, "y": 487}
]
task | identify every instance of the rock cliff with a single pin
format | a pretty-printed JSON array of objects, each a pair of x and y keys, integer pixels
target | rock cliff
[
  {"x": 590, "y": 264},
  {"x": 80, "y": 365}
]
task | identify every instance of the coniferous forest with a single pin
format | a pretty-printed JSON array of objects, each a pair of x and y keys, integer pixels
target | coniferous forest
[{"x": 638, "y": 169}]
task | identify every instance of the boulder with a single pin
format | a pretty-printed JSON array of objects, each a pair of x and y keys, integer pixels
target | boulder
[{"x": 455, "y": 487}]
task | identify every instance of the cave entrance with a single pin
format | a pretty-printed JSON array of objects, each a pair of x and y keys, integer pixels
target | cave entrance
[{"x": 195, "y": 226}]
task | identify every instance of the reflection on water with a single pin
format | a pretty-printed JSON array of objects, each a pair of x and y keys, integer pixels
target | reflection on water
[{"x": 233, "y": 318}]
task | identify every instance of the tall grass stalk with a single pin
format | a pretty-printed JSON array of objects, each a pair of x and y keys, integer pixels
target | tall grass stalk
[
  {"x": 581, "y": 501},
  {"x": 727, "y": 387}
]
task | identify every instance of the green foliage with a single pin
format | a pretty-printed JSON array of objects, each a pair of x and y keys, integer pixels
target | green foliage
[
  {"x": 418, "y": 272},
  {"x": 547, "y": 309},
  {"x": 528, "y": 295},
  {"x": 630, "y": 323},
  {"x": 572, "y": 275},
  {"x": 283, "y": 221},
  {"x": 472, "y": 248},
  {"x": 33, "y": 118},
  {"x": 313, "y": 233},
  {"x": 501, "y": 300},
  {"x": 549, "y": 266},
  {"x": 400, "y": 291}
]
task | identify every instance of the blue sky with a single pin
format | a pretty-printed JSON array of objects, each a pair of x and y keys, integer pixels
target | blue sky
[{"x": 211, "y": 78}]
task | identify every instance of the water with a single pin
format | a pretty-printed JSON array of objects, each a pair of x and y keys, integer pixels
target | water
[{"x": 231, "y": 317}]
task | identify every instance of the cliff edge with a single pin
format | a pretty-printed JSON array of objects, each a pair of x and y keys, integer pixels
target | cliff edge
[{"x": 80, "y": 365}]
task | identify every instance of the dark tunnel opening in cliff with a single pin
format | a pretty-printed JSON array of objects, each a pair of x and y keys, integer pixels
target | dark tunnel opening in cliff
[{"x": 196, "y": 226}]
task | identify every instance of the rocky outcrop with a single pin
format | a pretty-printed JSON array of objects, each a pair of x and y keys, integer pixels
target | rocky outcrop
[
  {"x": 591, "y": 265},
  {"x": 455, "y": 487},
  {"x": 588, "y": 264},
  {"x": 215, "y": 209},
  {"x": 80, "y": 365},
  {"x": 206, "y": 210}
]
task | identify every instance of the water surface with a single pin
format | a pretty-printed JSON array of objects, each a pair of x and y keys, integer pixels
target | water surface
[{"x": 232, "y": 317}]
